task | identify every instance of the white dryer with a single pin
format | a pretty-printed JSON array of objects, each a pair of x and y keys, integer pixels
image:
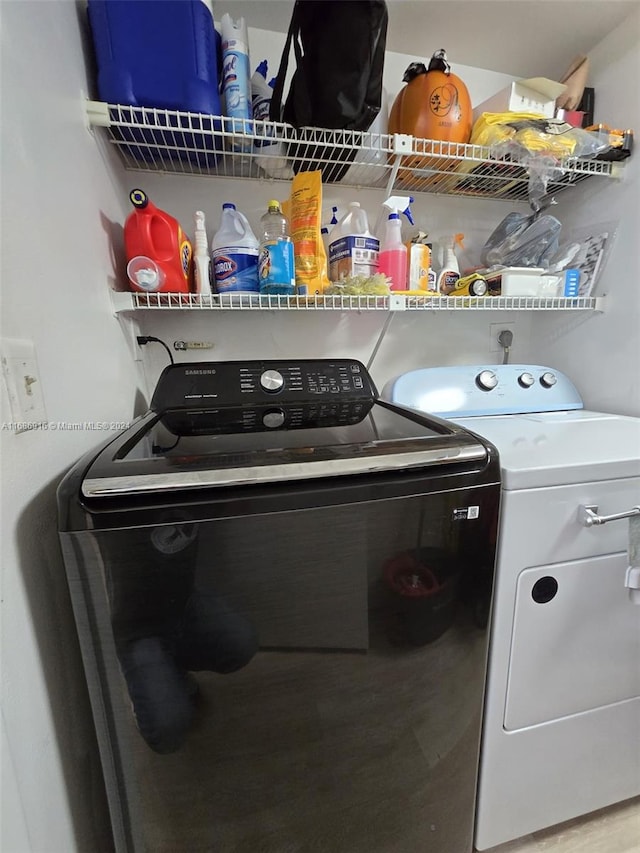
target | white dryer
[{"x": 561, "y": 731}]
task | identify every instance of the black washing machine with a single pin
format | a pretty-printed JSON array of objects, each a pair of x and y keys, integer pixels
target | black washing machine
[{"x": 281, "y": 586}]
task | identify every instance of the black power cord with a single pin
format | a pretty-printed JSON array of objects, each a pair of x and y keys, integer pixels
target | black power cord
[{"x": 147, "y": 339}]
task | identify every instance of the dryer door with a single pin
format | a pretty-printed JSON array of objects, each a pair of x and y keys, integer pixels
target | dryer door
[{"x": 576, "y": 641}]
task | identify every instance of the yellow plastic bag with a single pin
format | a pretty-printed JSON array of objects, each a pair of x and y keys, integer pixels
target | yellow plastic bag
[
  {"x": 494, "y": 129},
  {"x": 304, "y": 212}
]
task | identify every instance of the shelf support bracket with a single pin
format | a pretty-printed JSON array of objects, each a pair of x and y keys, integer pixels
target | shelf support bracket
[
  {"x": 402, "y": 145},
  {"x": 98, "y": 114}
]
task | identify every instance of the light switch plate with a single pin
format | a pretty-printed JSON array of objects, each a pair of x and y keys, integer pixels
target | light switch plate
[{"x": 22, "y": 380}]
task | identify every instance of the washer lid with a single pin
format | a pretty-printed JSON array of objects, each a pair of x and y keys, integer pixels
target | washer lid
[
  {"x": 559, "y": 448},
  {"x": 203, "y": 448}
]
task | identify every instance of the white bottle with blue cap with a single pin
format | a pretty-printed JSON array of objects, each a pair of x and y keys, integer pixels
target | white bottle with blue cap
[{"x": 234, "y": 253}]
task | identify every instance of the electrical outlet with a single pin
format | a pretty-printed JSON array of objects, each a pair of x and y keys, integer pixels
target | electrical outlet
[
  {"x": 22, "y": 379},
  {"x": 494, "y": 331}
]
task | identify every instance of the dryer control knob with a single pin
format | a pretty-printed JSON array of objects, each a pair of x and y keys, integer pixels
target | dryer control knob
[
  {"x": 273, "y": 418},
  {"x": 526, "y": 380},
  {"x": 548, "y": 380},
  {"x": 487, "y": 380},
  {"x": 272, "y": 381}
]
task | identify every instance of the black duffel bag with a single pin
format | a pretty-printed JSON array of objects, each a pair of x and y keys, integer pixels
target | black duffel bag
[{"x": 337, "y": 84}]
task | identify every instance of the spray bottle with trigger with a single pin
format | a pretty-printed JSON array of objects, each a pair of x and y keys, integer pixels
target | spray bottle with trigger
[
  {"x": 450, "y": 271},
  {"x": 325, "y": 230},
  {"x": 392, "y": 260},
  {"x": 201, "y": 257}
]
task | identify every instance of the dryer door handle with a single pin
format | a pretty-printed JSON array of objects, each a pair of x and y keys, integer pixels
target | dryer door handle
[{"x": 588, "y": 515}]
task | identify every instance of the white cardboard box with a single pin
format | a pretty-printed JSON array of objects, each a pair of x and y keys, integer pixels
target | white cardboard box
[{"x": 535, "y": 95}]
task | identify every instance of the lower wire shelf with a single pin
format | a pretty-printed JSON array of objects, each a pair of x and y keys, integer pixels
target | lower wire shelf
[{"x": 127, "y": 301}]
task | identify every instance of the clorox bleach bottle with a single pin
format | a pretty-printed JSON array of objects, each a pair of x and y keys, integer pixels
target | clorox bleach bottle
[
  {"x": 153, "y": 234},
  {"x": 234, "y": 253}
]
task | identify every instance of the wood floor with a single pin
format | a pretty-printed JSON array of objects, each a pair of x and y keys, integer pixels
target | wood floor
[{"x": 612, "y": 830}]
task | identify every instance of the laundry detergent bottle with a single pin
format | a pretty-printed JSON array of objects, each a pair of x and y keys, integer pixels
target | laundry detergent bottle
[
  {"x": 234, "y": 253},
  {"x": 154, "y": 234}
]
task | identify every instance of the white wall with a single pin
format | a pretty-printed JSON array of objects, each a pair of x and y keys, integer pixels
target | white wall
[
  {"x": 601, "y": 352},
  {"x": 58, "y": 203}
]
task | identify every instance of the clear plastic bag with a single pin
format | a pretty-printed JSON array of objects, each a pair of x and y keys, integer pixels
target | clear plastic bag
[{"x": 530, "y": 242}]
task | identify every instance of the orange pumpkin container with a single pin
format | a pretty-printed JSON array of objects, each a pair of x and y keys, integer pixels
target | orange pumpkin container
[{"x": 434, "y": 105}]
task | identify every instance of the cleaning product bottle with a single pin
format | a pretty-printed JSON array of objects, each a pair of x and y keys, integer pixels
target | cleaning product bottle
[
  {"x": 201, "y": 259},
  {"x": 418, "y": 263},
  {"x": 394, "y": 204},
  {"x": 325, "y": 230},
  {"x": 272, "y": 157},
  {"x": 392, "y": 260},
  {"x": 154, "y": 234},
  {"x": 450, "y": 270},
  {"x": 236, "y": 84},
  {"x": 276, "y": 270},
  {"x": 432, "y": 278},
  {"x": 353, "y": 250},
  {"x": 234, "y": 253}
]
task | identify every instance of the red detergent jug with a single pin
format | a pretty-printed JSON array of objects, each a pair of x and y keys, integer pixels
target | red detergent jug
[{"x": 161, "y": 249}]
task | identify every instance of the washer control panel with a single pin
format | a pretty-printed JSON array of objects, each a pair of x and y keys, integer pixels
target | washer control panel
[
  {"x": 233, "y": 383},
  {"x": 468, "y": 390}
]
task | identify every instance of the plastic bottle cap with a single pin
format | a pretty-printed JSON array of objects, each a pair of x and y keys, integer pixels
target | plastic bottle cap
[
  {"x": 145, "y": 273},
  {"x": 139, "y": 198},
  {"x": 228, "y": 206},
  {"x": 394, "y": 216},
  {"x": 274, "y": 204}
]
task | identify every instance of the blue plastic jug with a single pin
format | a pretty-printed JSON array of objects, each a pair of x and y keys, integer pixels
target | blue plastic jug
[{"x": 156, "y": 53}]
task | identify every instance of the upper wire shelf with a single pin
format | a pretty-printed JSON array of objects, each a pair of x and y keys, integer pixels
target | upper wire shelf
[
  {"x": 126, "y": 301},
  {"x": 149, "y": 139}
]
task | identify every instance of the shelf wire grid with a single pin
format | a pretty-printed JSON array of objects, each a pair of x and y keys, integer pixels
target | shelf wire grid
[
  {"x": 151, "y": 139},
  {"x": 261, "y": 302}
]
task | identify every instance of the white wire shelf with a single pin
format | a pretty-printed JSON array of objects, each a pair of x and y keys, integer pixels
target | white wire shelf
[
  {"x": 123, "y": 302},
  {"x": 149, "y": 139}
]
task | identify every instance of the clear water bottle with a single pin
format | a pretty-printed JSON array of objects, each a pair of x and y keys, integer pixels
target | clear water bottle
[{"x": 276, "y": 270}]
